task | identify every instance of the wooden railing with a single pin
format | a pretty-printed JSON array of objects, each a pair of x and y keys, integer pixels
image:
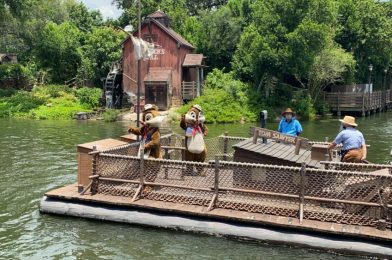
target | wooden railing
[
  {"x": 364, "y": 102},
  {"x": 189, "y": 90}
]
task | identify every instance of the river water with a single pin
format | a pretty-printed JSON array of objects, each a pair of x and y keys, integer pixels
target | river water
[{"x": 37, "y": 156}]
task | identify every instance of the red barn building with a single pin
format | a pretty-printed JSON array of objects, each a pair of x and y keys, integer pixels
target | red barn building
[{"x": 173, "y": 74}]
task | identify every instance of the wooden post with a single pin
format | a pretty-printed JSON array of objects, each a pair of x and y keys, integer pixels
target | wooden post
[
  {"x": 339, "y": 113},
  {"x": 225, "y": 146},
  {"x": 263, "y": 122},
  {"x": 141, "y": 177},
  {"x": 167, "y": 157},
  {"x": 216, "y": 185},
  {"x": 363, "y": 104},
  {"x": 297, "y": 145},
  {"x": 198, "y": 81},
  {"x": 302, "y": 193},
  {"x": 94, "y": 182},
  {"x": 255, "y": 135}
]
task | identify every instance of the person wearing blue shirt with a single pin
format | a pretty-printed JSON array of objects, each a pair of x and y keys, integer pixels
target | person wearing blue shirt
[
  {"x": 289, "y": 125},
  {"x": 354, "y": 146}
]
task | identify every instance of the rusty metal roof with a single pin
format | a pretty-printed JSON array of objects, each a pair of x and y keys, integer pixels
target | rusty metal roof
[
  {"x": 158, "y": 75},
  {"x": 193, "y": 60},
  {"x": 178, "y": 38}
]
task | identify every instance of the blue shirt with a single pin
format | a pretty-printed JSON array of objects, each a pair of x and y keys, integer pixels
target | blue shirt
[
  {"x": 293, "y": 127},
  {"x": 351, "y": 138}
]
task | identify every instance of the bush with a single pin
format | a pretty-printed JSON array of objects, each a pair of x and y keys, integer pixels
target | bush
[
  {"x": 19, "y": 105},
  {"x": 219, "y": 106},
  {"x": 226, "y": 99},
  {"x": 7, "y": 92},
  {"x": 89, "y": 96},
  {"x": 303, "y": 105},
  {"x": 321, "y": 107},
  {"x": 60, "y": 108},
  {"x": 51, "y": 91},
  {"x": 8, "y": 71},
  {"x": 110, "y": 115}
]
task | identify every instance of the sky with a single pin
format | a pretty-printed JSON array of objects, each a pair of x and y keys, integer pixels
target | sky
[{"x": 105, "y": 6}]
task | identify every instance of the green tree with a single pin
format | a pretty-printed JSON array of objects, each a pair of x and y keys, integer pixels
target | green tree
[
  {"x": 367, "y": 33},
  {"x": 59, "y": 50},
  {"x": 84, "y": 19},
  {"x": 101, "y": 49},
  {"x": 219, "y": 42}
]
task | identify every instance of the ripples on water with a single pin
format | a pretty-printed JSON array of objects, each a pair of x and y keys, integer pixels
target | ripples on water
[{"x": 37, "y": 156}]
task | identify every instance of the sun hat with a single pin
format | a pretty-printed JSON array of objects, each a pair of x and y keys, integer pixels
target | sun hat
[
  {"x": 198, "y": 107},
  {"x": 148, "y": 107},
  {"x": 288, "y": 110},
  {"x": 348, "y": 120}
]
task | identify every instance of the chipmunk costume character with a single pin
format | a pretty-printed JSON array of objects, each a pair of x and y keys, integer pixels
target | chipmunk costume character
[
  {"x": 195, "y": 130},
  {"x": 151, "y": 137}
]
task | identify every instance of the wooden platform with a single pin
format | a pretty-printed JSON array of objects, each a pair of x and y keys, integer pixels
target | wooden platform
[
  {"x": 69, "y": 193},
  {"x": 272, "y": 153}
]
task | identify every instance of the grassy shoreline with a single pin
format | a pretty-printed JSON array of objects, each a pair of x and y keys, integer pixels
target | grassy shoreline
[{"x": 48, "y": 102}]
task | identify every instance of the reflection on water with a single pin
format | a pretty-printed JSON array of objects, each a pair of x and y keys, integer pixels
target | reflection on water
[{"x": 36, "y": 156}]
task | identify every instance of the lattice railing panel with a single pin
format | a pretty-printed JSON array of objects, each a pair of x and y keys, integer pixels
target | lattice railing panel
[{"x": 314, "y": 194}]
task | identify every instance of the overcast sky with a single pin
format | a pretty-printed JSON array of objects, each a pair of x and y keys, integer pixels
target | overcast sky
[{"x": 105, "y": 6}]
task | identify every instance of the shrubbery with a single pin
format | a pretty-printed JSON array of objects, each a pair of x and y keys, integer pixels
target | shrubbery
[
  {"x": 48, "y": 102},
  {"x": 303, "y": 105},
  {"x": 226, "y": 99},
  {"x": 110, "y": 115},
  {"x": 89, "y": 96}
]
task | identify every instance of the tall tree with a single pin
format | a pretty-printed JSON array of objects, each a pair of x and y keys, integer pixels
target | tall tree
[
  {"x": 101, "y": 49},
  {"x": 59, "y": 50}
]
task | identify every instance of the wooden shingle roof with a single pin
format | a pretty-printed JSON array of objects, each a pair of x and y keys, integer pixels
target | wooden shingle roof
[{"x": 193, "y": 60}]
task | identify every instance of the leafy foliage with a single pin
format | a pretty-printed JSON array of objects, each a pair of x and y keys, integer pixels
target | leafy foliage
[
  {"x": 110, "y": 115},
  {"x": 48, "y": 102},
  {"x": 89, "y": 96},
  {"x": 226, "y": 99}
]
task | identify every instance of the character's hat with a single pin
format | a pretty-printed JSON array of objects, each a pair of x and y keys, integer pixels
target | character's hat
[
  {"x": 198, "y": 107},
  {"x": 288, "y": 110},
  {"x": 348, "y": 120},
  {"x": 148, "y": 107}
]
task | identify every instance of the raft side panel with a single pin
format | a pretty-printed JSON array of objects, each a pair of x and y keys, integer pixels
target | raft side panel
[
  {"x": 69, "y": 193},
  {"x": 132, "y": 216}
]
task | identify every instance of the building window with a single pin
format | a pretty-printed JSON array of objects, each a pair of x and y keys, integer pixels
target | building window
[{"x": 150, "y": 37}]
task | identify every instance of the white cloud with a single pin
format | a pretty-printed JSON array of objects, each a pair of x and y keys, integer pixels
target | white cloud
[{"x": 104, "y": 6}]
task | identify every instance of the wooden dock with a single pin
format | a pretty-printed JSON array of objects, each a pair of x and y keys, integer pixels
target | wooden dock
[{"x": 364, "y": 103}]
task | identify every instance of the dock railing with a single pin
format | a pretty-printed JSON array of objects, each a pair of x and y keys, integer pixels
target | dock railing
[
  {"x": 360, "y": 102},
  {"x": 328, "y": 195}
]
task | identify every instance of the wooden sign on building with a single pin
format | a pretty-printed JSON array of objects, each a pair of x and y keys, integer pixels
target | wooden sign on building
[{"x": 172, "y": 73}]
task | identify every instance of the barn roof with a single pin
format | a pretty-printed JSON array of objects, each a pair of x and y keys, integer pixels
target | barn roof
[
  {"x": 158, "y": 75},
  {"x": 178, "y": 38},
  {"x": 172, "y": 33},
  {"x": 193, "y": 60},
  {"x": 157, "y": 14}
]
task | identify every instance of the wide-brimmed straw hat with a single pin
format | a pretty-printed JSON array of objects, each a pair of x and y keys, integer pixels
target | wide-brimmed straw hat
[
  {"x": 198, "y": 107},
  {"x": 288, "y": 110},
  {"x": 148, "y": 107},
  {"x": 348, "y": 120}
]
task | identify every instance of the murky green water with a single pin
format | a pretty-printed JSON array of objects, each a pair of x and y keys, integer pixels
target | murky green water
[{"x": 36, "y": 156}]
